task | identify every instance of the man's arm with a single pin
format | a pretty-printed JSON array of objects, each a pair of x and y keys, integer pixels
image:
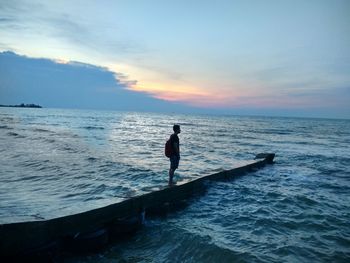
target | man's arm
[{"x": 176, "y": 147}]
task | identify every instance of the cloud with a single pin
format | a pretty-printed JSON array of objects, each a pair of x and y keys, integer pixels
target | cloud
[
  {"x": 77, "y": 32},
  {"x": 71, "y": 85},
  {"x": 66, "y": 84},
  {"x": 209, "y": 59}
]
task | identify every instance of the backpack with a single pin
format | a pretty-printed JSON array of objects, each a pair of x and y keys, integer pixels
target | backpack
[{"x": 168, "y": 149}]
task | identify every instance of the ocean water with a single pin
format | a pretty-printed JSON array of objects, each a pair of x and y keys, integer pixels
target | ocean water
[{"x": 58, "y": 162}]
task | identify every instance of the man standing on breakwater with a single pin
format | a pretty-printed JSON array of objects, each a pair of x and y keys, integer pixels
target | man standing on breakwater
[{"x": 174, "y": 144}]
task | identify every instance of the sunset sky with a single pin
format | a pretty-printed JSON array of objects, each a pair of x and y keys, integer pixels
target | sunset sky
[{"x": 279, "y": 57}]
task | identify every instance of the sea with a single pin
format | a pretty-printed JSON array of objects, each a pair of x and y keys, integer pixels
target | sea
[{"x": 56, "y": 162}]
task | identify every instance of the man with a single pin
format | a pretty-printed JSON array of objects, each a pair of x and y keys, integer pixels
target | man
[{"x": 175, "y": 156}]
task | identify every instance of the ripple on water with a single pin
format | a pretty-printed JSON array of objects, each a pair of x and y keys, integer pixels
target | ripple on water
[
  {"x": 15, "y": 134},
  {"x": 5, "y": 127},
  {"x": 93, "y": 128},
  {"x": 294, "y": 211}
]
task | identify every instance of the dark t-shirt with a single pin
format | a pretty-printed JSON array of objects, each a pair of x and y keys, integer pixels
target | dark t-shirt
[{"x": 175, "y": 139}]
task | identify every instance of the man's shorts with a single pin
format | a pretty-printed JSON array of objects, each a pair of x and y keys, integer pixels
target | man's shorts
[{"x": 174, "y": 162}]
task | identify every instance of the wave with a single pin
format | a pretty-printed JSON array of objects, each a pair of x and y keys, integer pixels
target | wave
[
  {"x": 268, "y": 215},
  {"x": 5, "y": 127},
  {"x": 179, "y": 245},
  {"x": 15, "y": 134},
  {"x": 42, "y": 130},
  {"x": 93, "y": 128}
]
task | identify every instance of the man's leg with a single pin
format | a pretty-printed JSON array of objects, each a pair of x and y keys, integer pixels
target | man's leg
[
  {"x": 174, "y": 163},
  {"x": 171, "y": 175}
]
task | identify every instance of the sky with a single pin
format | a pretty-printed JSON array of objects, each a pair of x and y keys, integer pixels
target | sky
[{"x": 284, "y": 58}]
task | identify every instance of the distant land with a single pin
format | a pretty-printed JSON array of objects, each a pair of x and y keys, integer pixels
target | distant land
[{"x": 22, "y": 106}]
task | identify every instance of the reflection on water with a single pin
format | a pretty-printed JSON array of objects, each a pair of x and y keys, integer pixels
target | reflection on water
[{"x": 58, "y": 162}]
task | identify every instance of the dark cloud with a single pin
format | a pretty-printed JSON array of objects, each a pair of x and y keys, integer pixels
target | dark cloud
[
  {"x": 81, "y": 85},
  {"x": 72, "y": 85}
]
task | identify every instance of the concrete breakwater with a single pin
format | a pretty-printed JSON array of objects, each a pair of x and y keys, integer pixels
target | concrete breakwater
[{"x": 92, "y": 229}]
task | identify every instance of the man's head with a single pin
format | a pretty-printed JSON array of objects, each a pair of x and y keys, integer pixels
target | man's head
[{"x": 176, "y": 128}]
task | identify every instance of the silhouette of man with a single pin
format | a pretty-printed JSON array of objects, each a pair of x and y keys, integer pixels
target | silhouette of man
[{"x": 175, "y": 156}]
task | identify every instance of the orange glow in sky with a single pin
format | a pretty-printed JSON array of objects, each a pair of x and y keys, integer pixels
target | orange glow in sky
[
  {"x": 159, "y": 86},
  {"x": 178, "y": 92}
]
